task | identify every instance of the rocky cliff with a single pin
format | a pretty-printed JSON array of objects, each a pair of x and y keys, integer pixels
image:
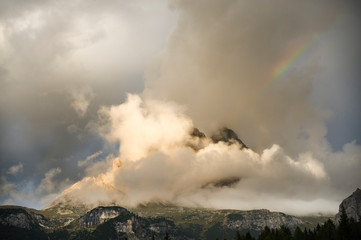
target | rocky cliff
[
  {"x": 100, "y": 215},
  {"x": 352, "y": 205},
  {"x": 257, "y": 219},
  {"x": 119, "y": 223}
]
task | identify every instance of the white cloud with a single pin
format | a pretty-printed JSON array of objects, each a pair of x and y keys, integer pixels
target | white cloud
[{"x": 145, "y": 127}]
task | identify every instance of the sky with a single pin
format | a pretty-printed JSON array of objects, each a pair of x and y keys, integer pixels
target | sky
[{"x": 98, "y": 100}]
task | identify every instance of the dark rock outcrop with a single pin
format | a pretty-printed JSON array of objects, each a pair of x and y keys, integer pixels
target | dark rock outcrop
[
  {"x": 352, "y": 205},
  {"x": 224, "y": 182},
  {"x": 197, "y": 133},
  {"x": 228, "y": 136}
]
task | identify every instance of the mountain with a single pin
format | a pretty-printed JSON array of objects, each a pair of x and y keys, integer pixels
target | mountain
[
  {"x": 21, "y": 223},
  {"x": 200, "y": 140},
  {"x": 99, "y": 223},
  {"x": 228, "y": 136},
  {"x": 352, "y": 206},
  {"x": 21, "y": 217},
  {"x": 119, "y": 223},
  {"x": 141, "y": 222},
  {"x": 204, "y": 223}
]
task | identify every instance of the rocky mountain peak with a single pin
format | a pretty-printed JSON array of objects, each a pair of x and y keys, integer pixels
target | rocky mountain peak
[
  {"x": 228, "y": 136},
  {"x": 199, "y": 140},
  {"x": 197, "y": 133},
  {"x": 352, "y": 205}
]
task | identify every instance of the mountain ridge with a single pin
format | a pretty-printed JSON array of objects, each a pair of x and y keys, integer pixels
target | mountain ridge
[{"x": 145, "y": 221}]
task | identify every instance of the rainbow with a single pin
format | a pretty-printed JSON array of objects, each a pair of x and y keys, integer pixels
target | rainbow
[{"x": 289, "y": 60}]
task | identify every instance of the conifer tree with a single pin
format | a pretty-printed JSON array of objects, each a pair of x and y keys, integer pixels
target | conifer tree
[
  {"x": 238, "y": 236},
  {"x": 343, "y": 230},
  {"x": 248, "y": 236},
  {"x": 298, "y": 234},
  {"x": 265, "y": 234}
]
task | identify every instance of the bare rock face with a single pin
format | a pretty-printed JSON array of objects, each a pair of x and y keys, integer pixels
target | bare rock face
[
  {"x": 258, "y": 219},
  {"x": 352, "y": 206},
  {"x": 100, "y": 215},
  {"x": 119, "y": 223}
]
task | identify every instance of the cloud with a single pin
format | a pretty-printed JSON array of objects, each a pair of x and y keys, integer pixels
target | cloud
[
  {"x": 60, "y": 62},
  {"x": 89, "y": 159},
  {"x": 144, "y": 127},
  {"x": 6, "y": 187},
  {"x": 15, "y": 169},
  {"x": 252, "y": 66},
  {"x": 157, "y": 162},
  {"x": 50, "y": 185},
  {"x": 47, "y": 185},
  {"x": 271, "y": 71},
  {"x": 81, "y": 100},
  {"x": 27, "y": 193}
]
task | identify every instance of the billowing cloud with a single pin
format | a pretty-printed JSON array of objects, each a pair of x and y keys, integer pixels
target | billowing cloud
[
  {"x": 157, "y": 162},
  {"x": 142, "y": 128}
]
